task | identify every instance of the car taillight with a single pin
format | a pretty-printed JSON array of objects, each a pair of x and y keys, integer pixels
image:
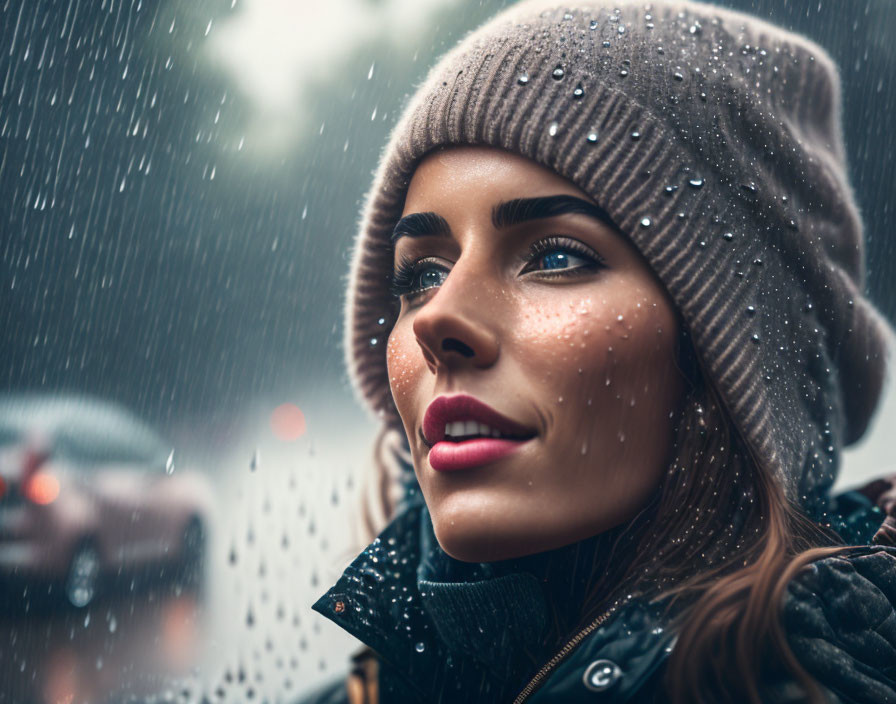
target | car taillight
[{"x": 42, "y": 488}]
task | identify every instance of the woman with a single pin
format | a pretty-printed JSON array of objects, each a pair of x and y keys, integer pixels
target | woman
[{"x": 607, "y": 301}]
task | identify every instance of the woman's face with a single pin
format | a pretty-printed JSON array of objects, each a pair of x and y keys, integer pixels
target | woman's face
[{"x": 547, "y": 314}]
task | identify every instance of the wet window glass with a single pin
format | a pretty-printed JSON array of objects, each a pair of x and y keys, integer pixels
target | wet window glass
[{"x": 182, "y": 458}]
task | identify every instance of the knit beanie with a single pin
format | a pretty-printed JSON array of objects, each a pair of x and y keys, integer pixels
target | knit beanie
[{"x": 714, "y": 142}]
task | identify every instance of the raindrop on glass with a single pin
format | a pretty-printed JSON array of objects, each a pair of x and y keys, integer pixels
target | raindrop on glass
[
  {"x": 593, "y": 25},
  {"x": 169, "y": 463}
]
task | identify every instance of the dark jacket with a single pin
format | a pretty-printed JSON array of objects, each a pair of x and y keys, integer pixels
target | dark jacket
[{"x": 839, "y": 614}]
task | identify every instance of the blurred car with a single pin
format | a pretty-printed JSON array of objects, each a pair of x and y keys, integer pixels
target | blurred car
[{"x": 87, "y": 491}]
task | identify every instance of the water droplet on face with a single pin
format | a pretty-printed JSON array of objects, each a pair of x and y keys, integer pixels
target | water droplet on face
[
  {"x": 558, "y": 73},
  {"x": 169, "y": 463},
  {"x": 579, "y": 92},
  {"x": 523, "y": 78},
  {"x": 552, "y": 129},
  {"x": 592, "y": 137},
  {"x": 696, "y": 183}
]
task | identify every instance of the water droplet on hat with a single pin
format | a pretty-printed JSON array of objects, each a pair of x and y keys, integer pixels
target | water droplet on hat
[
  {"x": 374, "y": 341},
  {"x": 623, "y": 72},
  {"x": 678, "y": 76},
  {"x": 751, "y": 310},
  {"x": 592, "y": 137},
  {"x": 636, "y": 136},
  {"x": 696, "y": 182},
  {"x": 621, "y": 29},
  {"x": 420, "y": 647},
  {"x": 381, "y": 321},
  {"x": 592, "y": 25},
  {"x": 523, "y": 78},
  {"x": 552, "y": 129},
  {"x": 755, "y": 338},
  {"x": 579, "y": 92},
  {"x": 670, "y": 190},
  {"x": 605, "y": 44},
  {"x": 728, "y": 236},
  {"x": 558, "y": 73},
  {"x": 696, "y": 28},
  {"x": 645, "y": 222},
  {"x": 749, "y": 187}
]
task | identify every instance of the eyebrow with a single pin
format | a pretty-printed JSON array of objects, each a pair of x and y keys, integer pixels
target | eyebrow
[{"x": 504, "y": 215}]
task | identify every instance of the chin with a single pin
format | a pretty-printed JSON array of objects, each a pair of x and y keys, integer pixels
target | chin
[{"x": 469, "y": 540}]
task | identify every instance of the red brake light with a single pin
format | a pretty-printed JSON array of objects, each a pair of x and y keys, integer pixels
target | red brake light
[{"x": 42, "y": 488}]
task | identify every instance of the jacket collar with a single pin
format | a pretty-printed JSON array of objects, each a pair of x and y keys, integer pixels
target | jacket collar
[{"x": 384, "y": 599}]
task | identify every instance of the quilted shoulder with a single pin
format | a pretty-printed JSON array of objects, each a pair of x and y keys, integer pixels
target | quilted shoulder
[{"x": 840, "y": 617}]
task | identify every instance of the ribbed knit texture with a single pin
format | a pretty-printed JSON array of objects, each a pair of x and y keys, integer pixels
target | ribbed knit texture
[{"x": 714, "y": 141}]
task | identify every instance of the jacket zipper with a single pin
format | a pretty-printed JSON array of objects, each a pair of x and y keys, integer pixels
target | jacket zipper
[{"x": 536, "y": 681}]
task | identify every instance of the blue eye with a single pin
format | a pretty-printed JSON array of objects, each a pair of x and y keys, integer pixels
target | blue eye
[{"x": 559, "y": 257}]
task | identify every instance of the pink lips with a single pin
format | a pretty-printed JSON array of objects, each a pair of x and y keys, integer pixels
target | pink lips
[{"x": 447, "y": 456}]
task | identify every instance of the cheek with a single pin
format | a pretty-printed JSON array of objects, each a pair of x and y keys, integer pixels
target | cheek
[
  {"x": 597, "y": 349},
  {"x": 404, "y": 363}
]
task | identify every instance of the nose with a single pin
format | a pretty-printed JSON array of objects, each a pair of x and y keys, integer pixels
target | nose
[{"x": 456, "y": 327}]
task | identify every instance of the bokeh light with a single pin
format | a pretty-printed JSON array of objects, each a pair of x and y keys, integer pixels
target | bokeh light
[{"x": 288, "y": 422}]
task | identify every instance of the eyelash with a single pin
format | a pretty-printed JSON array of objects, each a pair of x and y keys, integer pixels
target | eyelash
[{"x": 403, "y": 278}]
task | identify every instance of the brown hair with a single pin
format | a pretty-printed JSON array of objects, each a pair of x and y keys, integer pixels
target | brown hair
[{"x": 719, "y": 539}]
